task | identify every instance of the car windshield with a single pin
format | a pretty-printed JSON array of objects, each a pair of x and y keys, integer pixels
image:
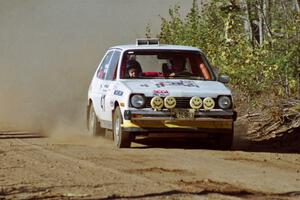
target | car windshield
[{"x": 154, "y": 64}]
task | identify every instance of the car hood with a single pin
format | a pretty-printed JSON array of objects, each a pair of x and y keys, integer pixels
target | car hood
[{"x": 177, "y": 88}]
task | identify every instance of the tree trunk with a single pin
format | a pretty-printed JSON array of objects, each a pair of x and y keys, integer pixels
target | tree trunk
[
  {"x": 227, "y": 27},
  {"x": 261, "y": 22},
  {"x": 247, "y": 24},
  {"x": 287, "y": 88},
  {"x": 296, "y": 3}
]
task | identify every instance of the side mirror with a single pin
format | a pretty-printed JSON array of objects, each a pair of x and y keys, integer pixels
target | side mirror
[{"x": 224, "y": 79}]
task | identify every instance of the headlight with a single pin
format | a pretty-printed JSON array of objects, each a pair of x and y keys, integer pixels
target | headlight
[
  {"x": 137, "y": 100},
  {"x": 224, "y": 102}
]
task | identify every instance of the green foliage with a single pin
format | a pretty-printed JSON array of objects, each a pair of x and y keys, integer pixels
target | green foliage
[{"x": 218, "y": 29}]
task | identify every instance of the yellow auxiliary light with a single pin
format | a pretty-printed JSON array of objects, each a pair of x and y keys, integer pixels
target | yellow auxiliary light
[
  {"x": 196, "y": 102},
  {"x": 208, "y": 103},
  {"x": 170, "y": 102},
  {"x": 157, "y": 103}
]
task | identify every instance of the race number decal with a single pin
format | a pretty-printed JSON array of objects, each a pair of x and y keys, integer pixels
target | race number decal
[{"x": 102, "y": 102}]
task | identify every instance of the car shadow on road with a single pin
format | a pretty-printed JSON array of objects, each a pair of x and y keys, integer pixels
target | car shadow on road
[
  {"x": 20, "y": 135},
  {"x": 176, "y": 143},
  {"x": 288, "y": 143}
]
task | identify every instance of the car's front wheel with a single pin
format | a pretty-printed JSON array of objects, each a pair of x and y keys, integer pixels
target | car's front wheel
[
  {"x": 94, "y": 125},
  {"x": 121, "y": 138}
]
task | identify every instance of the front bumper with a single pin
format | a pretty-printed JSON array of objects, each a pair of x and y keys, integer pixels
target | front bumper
[{"x": 165, "y": 121}]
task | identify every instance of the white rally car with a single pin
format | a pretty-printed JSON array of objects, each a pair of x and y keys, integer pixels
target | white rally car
[{"x": 173, "y": 90}]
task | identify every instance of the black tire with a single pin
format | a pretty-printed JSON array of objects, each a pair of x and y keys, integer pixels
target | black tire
[
  {"x": 94, "y": 125},
  {"x": 121, "y": 138}
]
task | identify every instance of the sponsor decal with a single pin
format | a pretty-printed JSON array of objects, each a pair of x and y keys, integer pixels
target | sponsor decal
[
  {"x": 144, "y": 85},
  {"x": 118, "y": 93},
  {"x": 176, "y": 83},
  {"x": 160, "y": 92}
]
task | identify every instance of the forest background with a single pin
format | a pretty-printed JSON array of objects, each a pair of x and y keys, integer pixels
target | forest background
[{"x": 255, "y": 42}]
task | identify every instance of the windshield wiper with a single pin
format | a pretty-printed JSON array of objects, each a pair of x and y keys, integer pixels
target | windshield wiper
[{"x": 188, "y": 77}]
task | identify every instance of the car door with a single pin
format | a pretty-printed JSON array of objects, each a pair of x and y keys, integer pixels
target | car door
[
  {"x": 108, "y": 88},
  {"x": 98, "y": 84}
]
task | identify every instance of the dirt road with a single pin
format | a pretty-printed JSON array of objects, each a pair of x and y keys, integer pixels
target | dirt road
[{"x": 79, "y": 167}]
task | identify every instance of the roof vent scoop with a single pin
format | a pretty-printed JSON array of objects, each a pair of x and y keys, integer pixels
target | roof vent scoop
[{"x": 147, "y": 41}]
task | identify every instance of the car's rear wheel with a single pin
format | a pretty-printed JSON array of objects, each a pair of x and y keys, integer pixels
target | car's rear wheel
[
  {"x": 94, "y": 125},
  {"x": 121, "y": 138}
]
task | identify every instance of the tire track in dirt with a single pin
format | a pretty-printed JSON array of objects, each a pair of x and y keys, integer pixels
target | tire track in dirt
[
  {"x": 116, "y": 177},
  {"x": 88, "y": 164},
  {"x": 147, "y": 182}
]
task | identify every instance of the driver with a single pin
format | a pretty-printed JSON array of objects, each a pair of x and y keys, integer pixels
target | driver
[
  {"x": 132, "y": 72},
  {"x": 177, "y": 65},
  {"x": 133, "y": 69}
]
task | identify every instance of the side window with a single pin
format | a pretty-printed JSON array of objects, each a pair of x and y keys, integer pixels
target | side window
[
  {"x": 113, "y": 66},
  {"x": 104, "y": 65}
]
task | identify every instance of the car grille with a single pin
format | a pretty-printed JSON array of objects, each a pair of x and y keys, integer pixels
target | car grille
[{"x": 181, "y": 102}]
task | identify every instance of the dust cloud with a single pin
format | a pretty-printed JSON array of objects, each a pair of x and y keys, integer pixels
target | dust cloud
[{"x": 49, "y": 51}]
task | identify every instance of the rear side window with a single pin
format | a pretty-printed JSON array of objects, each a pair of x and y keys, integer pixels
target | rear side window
[
  {"x": 104, "y": 65},
  {"x": 110, "y": 73}
]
